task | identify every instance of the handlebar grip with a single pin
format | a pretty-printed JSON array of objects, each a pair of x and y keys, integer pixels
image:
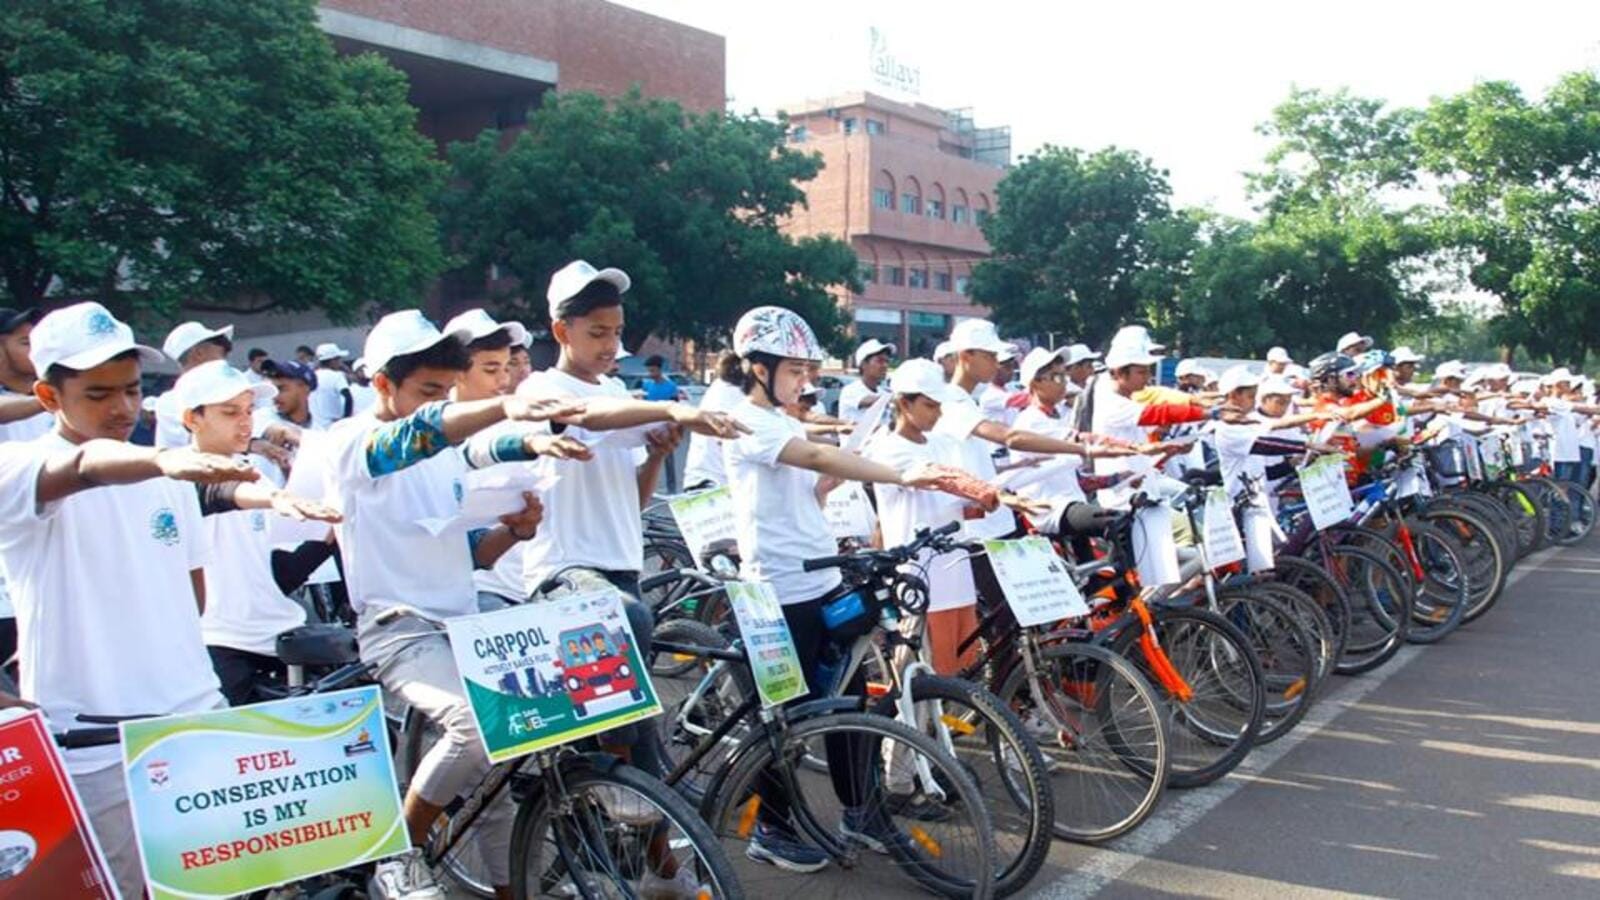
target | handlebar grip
[
  {"x": 946, "y": 528},
  {"x": 79, "y": 738},
  {"x": 823, "y": 562}
]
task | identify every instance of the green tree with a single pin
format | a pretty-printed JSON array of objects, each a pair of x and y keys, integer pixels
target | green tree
[
  {"x": 1521, "y": 181},
  {"x": 1080, "y": 242},
  {"x": 208, "y": 152},
  {"x": 689, "y": 205}
]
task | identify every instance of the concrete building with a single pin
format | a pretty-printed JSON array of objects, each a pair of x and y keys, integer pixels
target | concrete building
[{"x": 906, "y": 185}]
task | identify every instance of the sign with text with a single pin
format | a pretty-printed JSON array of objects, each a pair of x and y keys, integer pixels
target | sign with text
[
  {"x": 774, "y": 661},
  {"x": 47, "y": 846},
  {"x": 849, "y": 514},
  {"x": 1035, "y": 581},
  {"x": 704, "y": 518},
  {"x": 543, "y": 674},
  {"x": 1222, "y": 540},
  {"x": 1326, "y": 491},
  {"x": 236, "y": 800}
]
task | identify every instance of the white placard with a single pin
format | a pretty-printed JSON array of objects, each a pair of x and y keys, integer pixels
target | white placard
[
  {"x": 1259, "y": 530},
  {"x": 774, "y": 661},
  {"x": 849, "y": 514},
  {"x": 1222, "y": 540},
  {"x": 1035, "y": 581},
  {"x": 704, "y": 518},
  {"x": 868, "y": 423},
  {"x": 1326, "y": 492}
]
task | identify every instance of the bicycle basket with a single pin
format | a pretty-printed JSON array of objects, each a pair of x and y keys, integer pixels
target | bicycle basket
[{"x": 1448, "y": 459}]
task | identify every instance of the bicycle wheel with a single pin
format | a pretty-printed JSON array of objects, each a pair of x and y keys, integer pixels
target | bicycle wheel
[
  {"x": 573, "y": 845},
  {"x": 1527, "y": 516},
  {"x": 1288, "y": 652},
  {"x": 1580, "y": 515},
  {"x": 697, "y": 695},
  {"x": 1446, "y": 587},
  {"x": 896, "y": 806},
  {"x": 1215, "y": 693},
  {"x": 1483, "y": 554},
  {"x": 1380, "y": 607},
  {"x": 1557, "y": 508},
  {"x": 1320, "y": 589},
  {"x": 465, "y": 861},
  {"x": 989, "y": 742},
  {"x": 1099, "y": 723}
]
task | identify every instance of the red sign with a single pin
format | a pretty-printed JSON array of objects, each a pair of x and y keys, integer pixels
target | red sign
[{"x": 47, "y": 848}]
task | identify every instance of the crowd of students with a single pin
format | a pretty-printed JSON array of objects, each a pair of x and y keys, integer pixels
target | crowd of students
[{"x": 147, "y": 580}]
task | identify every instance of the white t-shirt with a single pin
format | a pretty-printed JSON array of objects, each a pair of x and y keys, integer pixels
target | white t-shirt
[
  {"x": 959, "y": 419},
  {"x": 901, "y": 511},
  {"x": 106, "y": 616},
  {"x": 169, "y": 422},
  {"x": 992, "y": 401},
  {"x": 244, "y": 608},
  {"x": 780, "y": 522},
  {"x": 21, "y": 430},
  {"x": 389, "y": 559},
  {"x": 1060, "y": 486},
  {"x": 1564, "y": 422},
  {"x": 591, "y": 509},
  {"x": 1237, "y": 463},
  {"x": 362, "y": 398},
  {"x": 703, "y": 462},
  {"x": 850, "y": 397},
  {"x": 1118, "y": 417},
  {"x": 327, "y": 399}
]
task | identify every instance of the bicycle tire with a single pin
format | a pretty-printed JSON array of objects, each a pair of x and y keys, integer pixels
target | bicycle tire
[
  {"x": 1377, "y": 631},
  {"x": 1446, "y": 588},
  {"x": 731, "y": 807},
  {"x": 1581, "y": 513},
  {"x": 1526, "y": 514},
  {"x": 1326, "y": 593},
  {"x": 1315, "y": 619},
  {"x": 540, "y": 819},
  {"x": 1485, "y": 554},
  {"x": 1017, "y": 793},
  {"x": 1205, "y": 742},
  {"x": 1288, "y": 653}
]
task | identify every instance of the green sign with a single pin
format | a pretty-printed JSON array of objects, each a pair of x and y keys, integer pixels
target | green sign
[
  {"x": 542, "y": 674},
  {"x": 773, "y": 659}
]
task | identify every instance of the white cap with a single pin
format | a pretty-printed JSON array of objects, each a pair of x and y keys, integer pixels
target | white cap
[
  {"x": 80, "y": 337},
  {"x": 1276, "y": 385},
  {"x": 977, "y": 334},
  {"x": 1078, "y": 353},
  {"x": 1009, "y": 354},
  {"x": 1237, "y": 377},
  {"x": 944, "y": 349},
  {"x": 329, "y": 350},
  {"x": 1562, "y": 375},
  {"x": 923, "y": 376},
  {"x": 1279, "y": 355},
  {"x": 1131, "y": 347},
  {"x": 1525, "y": 386},
  {"x": 871, "y": 348},
  {"x": 1404, "y": 354},
  {"x": 402, "y": 334},
  {"x": 1297, "y": 371},
  {"x": 577, "y": 275},
  {"x": 480, "y": 324},
  {"x": 1187, "y": 367},
  {"x": 1353, "y": 337},
  {"x": 218, "y": 382},
  {"x": 359, "y": 365},
  {"x": 1451, "y": 369},
  {"x": 1036, "y": 360},
  {"x": 188, "y": 335}
]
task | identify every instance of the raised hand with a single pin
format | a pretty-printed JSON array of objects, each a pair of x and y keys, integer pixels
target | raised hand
[
  {"x": 662, "y": 441},
  {"x": 1024, "y": 505},
  {"x": 525, "y": 524},
  {"x": 557, "y": 446},
  {"x": 710, "y": 424},
  {"x": 186, "y": 464},
  {"x": 302, "y": 510}
]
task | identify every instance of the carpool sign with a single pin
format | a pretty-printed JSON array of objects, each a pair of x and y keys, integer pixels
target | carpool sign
[
  {"x": 542, "y": 674},
  {"x": 237, "y": 800}
]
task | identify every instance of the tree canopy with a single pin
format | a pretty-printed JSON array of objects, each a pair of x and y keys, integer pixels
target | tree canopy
[
  {"x": 689, "y": 205},
  {"x": 206, "y": 151}
]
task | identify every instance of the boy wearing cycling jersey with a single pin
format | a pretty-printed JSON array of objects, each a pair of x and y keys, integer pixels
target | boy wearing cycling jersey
[
  {"x": 92, "y": 640},
  {"x": 387, "y": 469}
]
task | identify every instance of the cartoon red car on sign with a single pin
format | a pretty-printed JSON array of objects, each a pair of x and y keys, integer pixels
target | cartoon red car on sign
[{"x": 593, "y": 667}]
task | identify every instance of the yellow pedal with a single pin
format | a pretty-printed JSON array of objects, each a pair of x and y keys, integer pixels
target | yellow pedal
[
  {"x": 927, "y": 842},
  {"x": 747, "y": 819},
  {"x": 1294, "y": 690},
  {"x": 958, "y": 725}
]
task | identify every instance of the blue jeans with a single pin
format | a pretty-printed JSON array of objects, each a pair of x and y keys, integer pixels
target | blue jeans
[
  {"x": 639, "y": 737},
  {"x": 1585, "y": 466},
  {"x": 1568, "y": 471}
]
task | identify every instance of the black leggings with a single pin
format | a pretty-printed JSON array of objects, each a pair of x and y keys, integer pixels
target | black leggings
[
  {"x": 242, "y": 672},
  {"x": 853, "y": 773}
]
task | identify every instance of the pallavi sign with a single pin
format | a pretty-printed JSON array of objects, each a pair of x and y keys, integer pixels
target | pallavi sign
[{"x": 886, "y": 70}]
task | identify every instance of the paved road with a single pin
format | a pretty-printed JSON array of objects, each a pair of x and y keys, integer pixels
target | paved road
[{"x": 1466, "y": 769}]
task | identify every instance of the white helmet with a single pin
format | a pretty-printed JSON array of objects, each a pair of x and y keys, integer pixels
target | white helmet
[{"x": 778, "y": 332}]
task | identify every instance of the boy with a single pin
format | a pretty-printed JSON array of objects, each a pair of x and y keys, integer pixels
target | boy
[
  {"x": 188, "y": 345},
  {"x": 387, "y": 469},
  {"x": 106, "y": 583},
  {"x": 855, "y": 398},
  {"x": 22, "y": 418},
  {"x": 246, "y": 609}
]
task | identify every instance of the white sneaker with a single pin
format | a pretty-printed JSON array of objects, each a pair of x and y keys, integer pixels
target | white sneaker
[
  {"x": 682, "y": 886},
  {"x": 404, "y": 877},
  {"x": 628, "y": 807}
]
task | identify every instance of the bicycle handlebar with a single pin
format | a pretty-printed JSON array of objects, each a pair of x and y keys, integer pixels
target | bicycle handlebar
[{"x": 925, "y": 538}]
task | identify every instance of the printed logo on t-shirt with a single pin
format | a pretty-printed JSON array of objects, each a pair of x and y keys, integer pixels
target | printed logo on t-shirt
[
  {"x": 460, "y": 492},
  {"x": 164, "y": 526},
  {"x": 258, "y": 521}
]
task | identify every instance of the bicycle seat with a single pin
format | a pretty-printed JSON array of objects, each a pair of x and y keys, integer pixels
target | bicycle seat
[{"x": 318, "y": 644}]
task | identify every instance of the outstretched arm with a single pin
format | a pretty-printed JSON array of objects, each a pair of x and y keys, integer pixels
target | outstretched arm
[{"x": 104, "y": 462}]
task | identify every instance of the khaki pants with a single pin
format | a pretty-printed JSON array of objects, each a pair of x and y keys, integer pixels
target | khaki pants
[
  {"x": 420, "y": 669},
  {"x": 105, "y": 801}
]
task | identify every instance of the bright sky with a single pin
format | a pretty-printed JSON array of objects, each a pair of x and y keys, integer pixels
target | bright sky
[{"x": 1184, "y": 83}]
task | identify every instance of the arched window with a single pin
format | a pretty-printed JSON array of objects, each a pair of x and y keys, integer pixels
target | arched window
[
  {"x": 911, "y": 197},
  {"x": 869, "y": 266},
  {"x": 960, "y": 208},
  {"x": 935, "y": 201},
  {"x": 883, "y": 190},
  {"x": 980, "y": 211},
  {"x": 943, "y": 279},
  {"x": 894, "y": 272},
  {"x": 918, "y": 276}
]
